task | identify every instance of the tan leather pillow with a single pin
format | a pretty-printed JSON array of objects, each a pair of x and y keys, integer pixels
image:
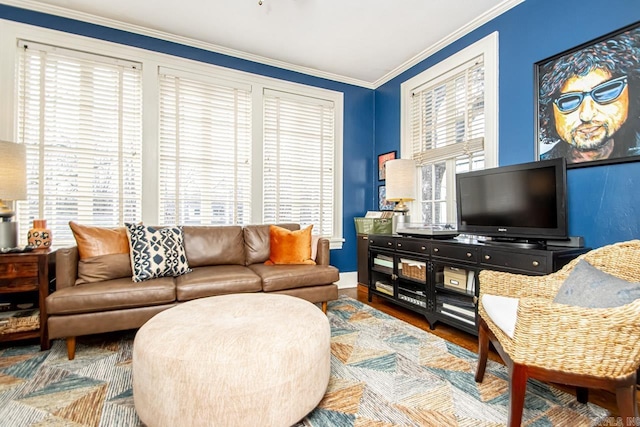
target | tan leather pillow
[
  {"x": 289, "y": 247},
  {"x": 97, "y": 241},
  {"x": 103, "y": 253}
]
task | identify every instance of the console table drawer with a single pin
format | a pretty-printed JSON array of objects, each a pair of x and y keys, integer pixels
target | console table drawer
[
  {"x": 382, "y": 242},
  {"x": 415, "y": 246},
  {"x": 456, "y": 252},
  {"x": 526, "y": 262},
  {"x": 14, "y": 270}
]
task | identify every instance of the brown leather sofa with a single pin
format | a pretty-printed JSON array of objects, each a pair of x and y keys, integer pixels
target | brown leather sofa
[{"x": 224, "y": 260}]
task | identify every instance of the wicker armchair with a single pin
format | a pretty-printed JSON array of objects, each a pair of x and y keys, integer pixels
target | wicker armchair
[{"x": 582, "y": 347}]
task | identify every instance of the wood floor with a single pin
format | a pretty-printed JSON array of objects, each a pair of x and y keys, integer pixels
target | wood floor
[{"x": 602, "y": 398}]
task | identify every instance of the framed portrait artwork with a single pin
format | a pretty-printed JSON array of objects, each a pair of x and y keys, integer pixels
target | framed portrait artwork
[
  {"x": 382, "y": 159},
  {"x": 383, "y": 203},
  {"x": 588, "y": 101}
]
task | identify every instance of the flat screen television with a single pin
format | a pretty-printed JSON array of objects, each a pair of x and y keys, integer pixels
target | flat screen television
[{"x": 523, "y": 202}]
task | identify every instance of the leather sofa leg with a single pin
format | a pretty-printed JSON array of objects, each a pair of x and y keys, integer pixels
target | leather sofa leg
[
  {"x": 71, "y": 347},
  {"x": 324, "y": 307}
]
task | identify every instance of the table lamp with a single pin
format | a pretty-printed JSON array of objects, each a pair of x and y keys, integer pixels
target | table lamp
[
  {"x": 401, "y": 188},
  {"x": 13, "y": 186}
]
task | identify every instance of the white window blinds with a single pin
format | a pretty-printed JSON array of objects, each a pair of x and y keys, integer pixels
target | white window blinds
[
  {"x": 205, "y": 151},
  {"x": 446, "y": 131},
  {"x": 80, "y": 116},
  {"x": 299, "y": 144},
  {"x": 447, "y": 117}
]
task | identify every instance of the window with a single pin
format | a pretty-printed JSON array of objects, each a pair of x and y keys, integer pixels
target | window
[
  {"x": 80, "y": 117},
  {"x": 118, "y": 134},
  {"x": 205, "y": 151},
  {"x": 445, "y": 126},
  {"x": 299, "y": 152}
]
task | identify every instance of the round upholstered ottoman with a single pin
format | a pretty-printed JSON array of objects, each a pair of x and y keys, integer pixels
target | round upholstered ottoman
[{"x": 232, "y": 360}]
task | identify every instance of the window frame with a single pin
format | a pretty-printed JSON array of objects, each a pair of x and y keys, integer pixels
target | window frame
[
  {"x": 11, "y": 32},
  {"x": 488, "y": 47}
]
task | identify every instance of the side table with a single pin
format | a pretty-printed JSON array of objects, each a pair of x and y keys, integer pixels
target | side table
[{"x": 25, "y": 277}]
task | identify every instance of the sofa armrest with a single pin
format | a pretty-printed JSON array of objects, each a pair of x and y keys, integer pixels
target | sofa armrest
[
  {"x": 66, "y": 267},
  {"x": 322, "y": 256}
]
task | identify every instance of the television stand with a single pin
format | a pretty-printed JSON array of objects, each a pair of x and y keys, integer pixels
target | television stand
[
  {"x": 440, "y": 278},
  {"x": 515, "y": 243}
]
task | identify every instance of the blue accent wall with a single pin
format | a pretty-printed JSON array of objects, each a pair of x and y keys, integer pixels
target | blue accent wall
[{"x": 604, "y": 201}]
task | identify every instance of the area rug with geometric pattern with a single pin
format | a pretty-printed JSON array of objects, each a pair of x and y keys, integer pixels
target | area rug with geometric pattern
[{"x": 384, "y": 372}]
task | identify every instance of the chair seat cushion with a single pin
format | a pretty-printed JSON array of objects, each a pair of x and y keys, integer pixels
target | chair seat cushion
[{"x": 503, "y": 311}]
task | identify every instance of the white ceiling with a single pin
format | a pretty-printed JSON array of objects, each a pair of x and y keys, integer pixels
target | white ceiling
[{"x": 365, "y": 43}]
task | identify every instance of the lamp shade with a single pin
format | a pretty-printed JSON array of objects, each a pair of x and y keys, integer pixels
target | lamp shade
[
  {"x": 401, "y": 180},
  {"x": 13, "y": 171}
]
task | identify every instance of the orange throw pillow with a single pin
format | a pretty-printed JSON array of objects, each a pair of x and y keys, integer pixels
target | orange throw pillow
[
  {"x": 289, "y": 247},
  {"x": 97, "y": 241}
]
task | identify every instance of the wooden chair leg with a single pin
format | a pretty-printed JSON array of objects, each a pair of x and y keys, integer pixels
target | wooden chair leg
[
  {"x": 483, "y": 351},
  {"x": 582, "y": 394},
  {"x": 517, "y": 390},
  {"x": 627, "y": 406},
  {"x": 71, "y": 347},
  {"x": 324, "y": 307}
]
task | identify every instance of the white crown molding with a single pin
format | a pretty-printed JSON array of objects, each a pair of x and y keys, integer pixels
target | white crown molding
[
  {"x": 136, "y": 29},
  {"x": 461, "y": 32}
]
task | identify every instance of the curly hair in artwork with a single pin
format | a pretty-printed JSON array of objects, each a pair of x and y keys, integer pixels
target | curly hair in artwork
[{"x": 620, "y": 56}]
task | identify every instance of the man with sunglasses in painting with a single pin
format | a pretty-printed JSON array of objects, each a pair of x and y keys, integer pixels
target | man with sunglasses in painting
[{"x": 590, "y": 101}]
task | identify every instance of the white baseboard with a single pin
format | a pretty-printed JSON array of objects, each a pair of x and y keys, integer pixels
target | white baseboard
[{"x": 348, "y": 279}]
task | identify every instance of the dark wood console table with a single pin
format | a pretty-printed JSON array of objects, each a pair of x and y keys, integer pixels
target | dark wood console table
[{"x": 439, "y": 278}]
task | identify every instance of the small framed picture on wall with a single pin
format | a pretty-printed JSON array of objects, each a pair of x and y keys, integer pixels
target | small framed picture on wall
[
  {"x": 382, "y": 159},
  {"x": 383, "y": 203}
]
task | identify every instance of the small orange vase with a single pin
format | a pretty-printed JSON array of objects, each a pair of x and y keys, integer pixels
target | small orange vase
[{"x": 39, "y": 236}]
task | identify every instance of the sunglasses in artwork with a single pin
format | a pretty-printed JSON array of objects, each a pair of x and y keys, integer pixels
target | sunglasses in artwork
[{"x": 604, "y": 93}]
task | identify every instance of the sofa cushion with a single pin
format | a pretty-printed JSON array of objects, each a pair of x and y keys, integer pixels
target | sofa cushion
[
  {"x": 281, "y": 277},
  {"x": 103, "y": 253},
  {"x": 589, "y": 287},
  {"x": 314, "y": 294},
  {"x": 105, "y": 267},
  {"x": 289, "y": 247},
  {"x": 156, "y": 252},
  {"x": 216, "y": 280},
  {"x": 256, "y": 242},
  {"x": 111, "y": 295},
  {"x": 213, "y": 245}
]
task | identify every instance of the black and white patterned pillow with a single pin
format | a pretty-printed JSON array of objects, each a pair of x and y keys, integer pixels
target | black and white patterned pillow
[{"x": 156, "y": 252}]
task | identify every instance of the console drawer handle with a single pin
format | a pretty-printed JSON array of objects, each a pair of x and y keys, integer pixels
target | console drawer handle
[
  {"x": 436, "y": 250},
  {"x": 487, "y": 257},
  {"x": 535, "y": 263},
  {"x": 389, "y": 243},
  {"x": 468, "y": 254},
  {"x": 422, "y": 248},
  {"x": 399, "y": 245}
]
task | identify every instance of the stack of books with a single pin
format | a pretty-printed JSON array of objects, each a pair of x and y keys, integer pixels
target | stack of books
[
  {"x": 457, "y": 307},
  {"x": 385, "y": 288},
  {"x": 385, "y": 262}
]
